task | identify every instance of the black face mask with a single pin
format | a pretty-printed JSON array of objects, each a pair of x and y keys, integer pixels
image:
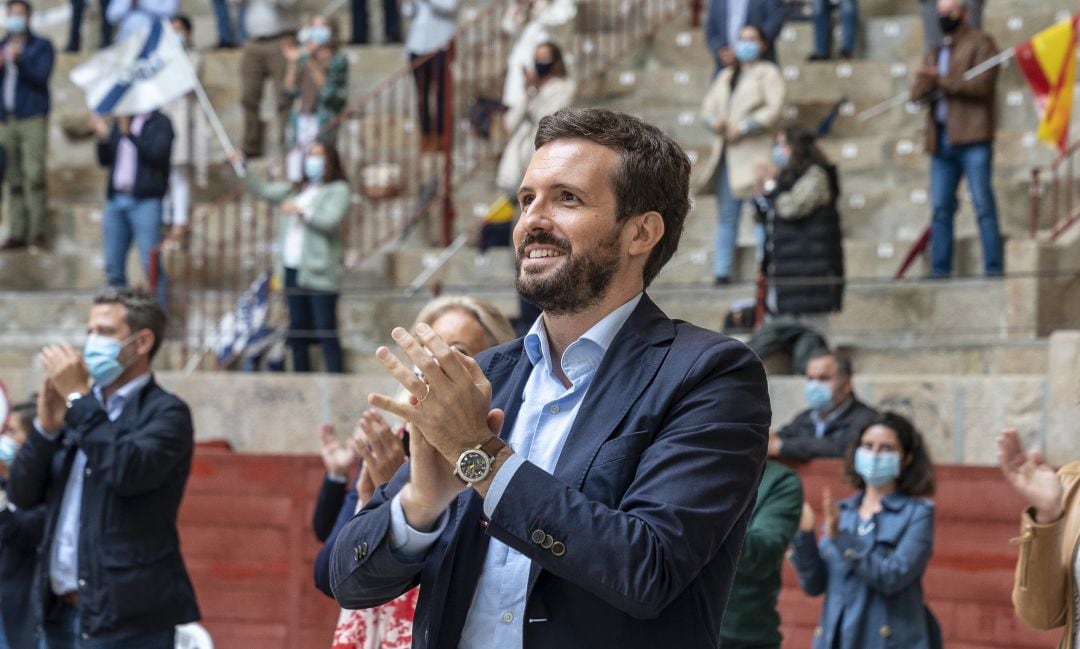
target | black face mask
[
  {"x": 949, "y": 23},
  {"x": 543, "y": 69}
]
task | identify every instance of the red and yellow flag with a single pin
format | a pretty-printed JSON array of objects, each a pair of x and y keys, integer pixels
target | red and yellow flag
[{"x": 1048, "y": 62}]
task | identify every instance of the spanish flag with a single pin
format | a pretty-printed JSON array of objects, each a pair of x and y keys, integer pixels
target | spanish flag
[{"x": 1048, "y": 62}]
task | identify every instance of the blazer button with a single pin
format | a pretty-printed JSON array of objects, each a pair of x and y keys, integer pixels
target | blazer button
[
  {"x": 818, "y": 632},
  {"x": 558, "y": 549},
  {"x": 885, "y": 631},
  {"x": 538, "y": 536},
  {"x": 548, "y": 542}
]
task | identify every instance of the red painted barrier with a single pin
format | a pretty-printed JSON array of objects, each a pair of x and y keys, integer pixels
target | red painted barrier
[{"x": 246, "y": 531}]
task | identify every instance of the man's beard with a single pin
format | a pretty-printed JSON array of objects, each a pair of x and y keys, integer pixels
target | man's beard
[{"x": 577, "y": 284}]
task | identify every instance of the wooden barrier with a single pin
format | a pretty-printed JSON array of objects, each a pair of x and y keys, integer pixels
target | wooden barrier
[{"x": 246, "y": 531}]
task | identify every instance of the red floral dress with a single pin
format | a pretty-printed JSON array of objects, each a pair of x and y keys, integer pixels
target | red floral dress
[{"x": 384, "y": 627}]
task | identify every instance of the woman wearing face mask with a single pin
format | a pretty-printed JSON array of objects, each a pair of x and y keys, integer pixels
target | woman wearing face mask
[
  {"x": 803, "y": 240},
  {"x": 742, "y": 108},
  {"x": 310, "y": 254},
  {"x": 876, "y": 545},
  {"x": 20, "y": 534},
  {"x": 315, "y": 84}
]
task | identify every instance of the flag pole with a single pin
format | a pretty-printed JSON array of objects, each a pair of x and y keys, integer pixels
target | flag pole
[
  {"x": 992, "y": 62},
  {"x": 215, "y": 123},
  {"x": 883, "y": 107}
]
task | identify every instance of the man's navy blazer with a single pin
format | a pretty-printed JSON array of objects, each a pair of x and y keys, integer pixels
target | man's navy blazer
[{"x": 646, "y": 510}]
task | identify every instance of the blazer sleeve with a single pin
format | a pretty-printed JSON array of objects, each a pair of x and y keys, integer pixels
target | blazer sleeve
[
  {"x": 891, "y": 573},
  {"x": 1040, "y": 590},
  {"x": 327, "y": 507},
  {"x": 30, "y": 472},
  {"x": 142, "y": 459},
  {"x": 154, "y": 143},
  {"x": 810, "y": 567},
  {"x": 344, "y": 514},
  {"x": 106, "y": 151},
  {"x": 982, "y": 87},
  {"x": 692, "y": 485},
  {"x": 773, "y": 526}
]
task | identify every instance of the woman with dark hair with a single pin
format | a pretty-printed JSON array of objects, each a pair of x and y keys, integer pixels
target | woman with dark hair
[
  {"x": 876, "y": 545},
  {"x": 742, "y": 107},
  {"x": 310, "y": 253},
  {"x": 804, "y": 253}
]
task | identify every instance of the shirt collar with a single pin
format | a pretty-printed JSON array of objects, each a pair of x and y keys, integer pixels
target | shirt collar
[
  {"x": 582, "y": 356},
  {"x": 839, "y": 410},
  {"x": 124, "y": 392}
]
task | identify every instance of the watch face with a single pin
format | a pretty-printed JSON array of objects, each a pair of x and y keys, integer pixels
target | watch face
[{"x": 473, "y": 465}]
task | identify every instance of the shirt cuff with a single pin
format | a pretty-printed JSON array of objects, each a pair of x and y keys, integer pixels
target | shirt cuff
[
  {"x": 499, "y": 483},
  {"x": 41, "y": 431},
  {"x": 337, "y": 478},
  {"x": 408, "y": 544}
]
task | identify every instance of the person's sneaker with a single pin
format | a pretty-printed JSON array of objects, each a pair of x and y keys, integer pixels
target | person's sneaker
[
  {"x": 40, "y": 243},
  {"x": 846, "y": 56},
  {"x": 12, "y": 244},
  {"x": 813, "y": 58},
  {"x": 721, "y": 281}
]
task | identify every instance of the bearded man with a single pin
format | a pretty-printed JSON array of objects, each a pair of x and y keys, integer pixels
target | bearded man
[{"x": 588, "y": 485}]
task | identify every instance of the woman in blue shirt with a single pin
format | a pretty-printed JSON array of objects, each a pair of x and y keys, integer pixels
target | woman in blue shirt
[{"x": 876, "y": 545}]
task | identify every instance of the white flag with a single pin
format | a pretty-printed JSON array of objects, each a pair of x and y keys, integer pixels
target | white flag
[{"x": 138, "y": 74}]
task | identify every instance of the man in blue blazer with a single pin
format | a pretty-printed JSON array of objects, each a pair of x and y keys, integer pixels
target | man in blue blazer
[
  {"x": 727, "y": 17},
  {"x": 610, "y": 511}
]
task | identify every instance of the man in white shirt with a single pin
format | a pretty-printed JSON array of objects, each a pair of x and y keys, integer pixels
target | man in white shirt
[{"x": 610, "y": 510}]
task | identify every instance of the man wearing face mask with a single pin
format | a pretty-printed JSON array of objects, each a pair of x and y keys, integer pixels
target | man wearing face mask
[
  {"x": 931, "y": 23},
  {"x": 960, "y": 121},
  {"x": 835, "y": 415},
  {"x": 109, "y": 459},
  {"x": 26, "y": 63}
]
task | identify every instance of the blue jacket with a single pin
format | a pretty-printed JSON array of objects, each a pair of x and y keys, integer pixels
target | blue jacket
[
  {"x": 32, "y": 82},
  {"x": 647, "y": 506},
  {"x": 872, "y": 583},
  {"x": 154, "y": 147},
  {"x": 769, "y": 15},
  {"x": 130, "y": 566}
]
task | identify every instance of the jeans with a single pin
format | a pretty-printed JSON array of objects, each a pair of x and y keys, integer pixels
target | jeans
[
  {"x": 728, "y": 209},
  {"x": 127, "y": 218},
  {"x": 429, "y": 73},
  {"x": 224, "y": 24},
  {"x": 391, "y": 21},
  {"x": 312, "y": 318},
  {"x": 947, "y": 167},
  {"x": 62, "y": 632},
  {"x": 823, "y": 26}
]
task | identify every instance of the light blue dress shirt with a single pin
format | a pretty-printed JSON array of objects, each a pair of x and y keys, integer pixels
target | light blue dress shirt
[
  {"x": 941, "y": 108},
  {"x": 821, "y": 423},
  {"x": 64, "y": 555},
  {"x": 547, "y": 413}
]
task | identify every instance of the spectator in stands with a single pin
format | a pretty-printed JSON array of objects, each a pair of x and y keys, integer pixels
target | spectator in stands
[
  {"x": 21, "y": 532},
  {"x": 310, "y": 251},
  {"x": 531, "y": 23},
  {"x": 725, "y": 22},
  {"x": 876, "y": 545},
  {"x": 137, "y": 151},
  {"x": 804, "y": 254},
  {"x": 133, "y": 16},
  {"x": 229, "y": 38},
  {"x": 109, "y": 459},
  {"x": 27, "y": 63},
  {"x": 823, "y": 28},
  {"x": 548, "y": 88},
  {"x": 960, "y": 135},
  {"x": 469, "y": 324},
  {"x": 316, "y": 76},
  {"x": 751, "y": 620},
  {"x": 191, "y": 137},
  {"x": 433, "y": 23},
  {"x": 1044, "y": 592},
  {"x": 742, "y": 107},
  {"x": 74, "y": 43},
  {"x": 932, "y": 24},
  {"x": 391, "y": 22},
  {"x": 835, "y": 415},
  {"x": 267, "y": 26}
]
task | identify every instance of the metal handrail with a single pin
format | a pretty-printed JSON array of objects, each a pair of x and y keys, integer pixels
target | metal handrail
[{"x": 1061, "y": 187}]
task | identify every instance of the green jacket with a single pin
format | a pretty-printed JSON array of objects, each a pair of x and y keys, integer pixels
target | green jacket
[
  {"x": 751, "y": 620},
  {"x": 332, "y": 98},
  {"x": 323, "y": 254}
]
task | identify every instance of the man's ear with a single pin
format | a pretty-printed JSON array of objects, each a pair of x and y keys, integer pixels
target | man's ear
[
  {"x": 647, "y": 231},
  {"x": 144, "y": 342}
]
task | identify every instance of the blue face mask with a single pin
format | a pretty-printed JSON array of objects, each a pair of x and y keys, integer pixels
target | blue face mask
[
  {"x": 818, "y": 395},
  {"x": 314, "y": 167},
  {"x": 102, "y": 357},
  {"x": 877, "y": 468},
  {"x": 15, "y": 24},
  {"x": 746, "y": 51},
  {"x": 318, "y": 34},
  {"x": 8, "y": 449},
  {"x": 779, "y": 158}
]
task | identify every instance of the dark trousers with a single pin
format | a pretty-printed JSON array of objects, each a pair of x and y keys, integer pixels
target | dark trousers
[
  {"x": 75, "y": 37},
  {"x": 431, "y": 74},
  {"x": 312, "y": 318},
  {"x": 391, "y": 22},
  {"x": 62, "y": 632}
]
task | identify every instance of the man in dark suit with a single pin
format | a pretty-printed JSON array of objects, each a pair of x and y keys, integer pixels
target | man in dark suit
[
  {"x": 727, "y": 17},
  {"x": 109, "y": 458},
  {"x": 611, "y": 510}
]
